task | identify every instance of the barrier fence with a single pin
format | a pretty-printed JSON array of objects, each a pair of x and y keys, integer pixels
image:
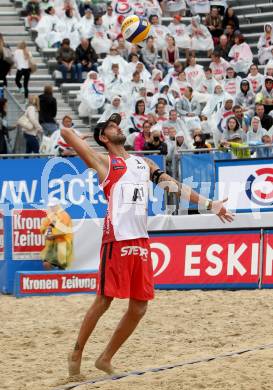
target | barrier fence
[{"x": 27, "y": 183}]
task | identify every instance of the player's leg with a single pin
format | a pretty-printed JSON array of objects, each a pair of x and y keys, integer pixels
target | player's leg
[
  {"x": 98, "y": 308},
  {"x": 128, "y": 323}
]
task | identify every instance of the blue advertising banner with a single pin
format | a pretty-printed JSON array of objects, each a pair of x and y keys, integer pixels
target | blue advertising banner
[
  {"x": 197, "y": 171},
  {"x": 25, "y": 182},
  {"x": 248, "y": 184}
]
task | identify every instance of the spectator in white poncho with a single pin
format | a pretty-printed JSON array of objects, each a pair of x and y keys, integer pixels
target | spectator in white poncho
[
  {"x": 199, "y": 6},
  {"x": 67, "y": 27},
  {"x": 159, "y": 32},
  {"x": 116, "y": 106},
  {"x": 114, "y": 58},
  {"x": 109, "y": 18},
  {"x": 86, "y": 23},
  {"x": 201, "y": 39},
  {"x": 255, "y": 131},
  {"x": 255, "y": 78},
  {"x": 91, "y": 94},
  {"x": 194, "y": 72},
  {"x": 174, "y": 7},
  {"x": 241, "y": 55},
  {"x": 265, "y": 44},
  {"x": 100, "y": 41},
  {"x": 179, "y": 32},
  {"x": 47, "y": 36}
]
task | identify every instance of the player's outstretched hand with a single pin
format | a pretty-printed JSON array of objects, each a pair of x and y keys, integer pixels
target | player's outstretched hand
[{"x": 219, "y": 209}]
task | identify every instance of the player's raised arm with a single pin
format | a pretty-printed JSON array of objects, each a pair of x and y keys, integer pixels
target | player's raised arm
[
  {"x": 172, "y": 185},
  {"x": 90, "y": 156}
]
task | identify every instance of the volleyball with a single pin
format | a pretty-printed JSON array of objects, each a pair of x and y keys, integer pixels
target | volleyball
[{"x": 135, "y": 29}]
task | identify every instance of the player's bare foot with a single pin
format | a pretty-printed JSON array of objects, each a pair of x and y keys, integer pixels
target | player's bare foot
[
  {"x": 74, "y": 366},
  {"x": 105, "y": 366}
]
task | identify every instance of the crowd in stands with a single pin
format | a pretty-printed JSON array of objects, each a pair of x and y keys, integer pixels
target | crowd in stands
[{"x": 168, "y": 102}]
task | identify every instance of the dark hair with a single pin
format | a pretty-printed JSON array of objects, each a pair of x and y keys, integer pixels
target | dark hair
[
  {"x": 3, "y": 101},
  {"x": 153, "y": 47},
  {"x": 96, "y": 18},
  {"x": 216, "y": 53},
  {"x": 207, "y": 69},
  {"x": 66, "y": 41},
  {"x": 48, "y": 90},
  {"x": 152, "y": 16},
  {"x": 144, "y": 123},
  {"x": 137, "y": 104},
  {"x": 136, "y": 72},
  {"x": 231, "y": 24},
  {"x": 236, "y": 107},
  {"x": 259, "y": 104},
  {"x": 188, "y": 60},
  {"x": 237, "y": 123},
  {"x": 47, "y": 11},
  {"x": 241, "y": 38}
]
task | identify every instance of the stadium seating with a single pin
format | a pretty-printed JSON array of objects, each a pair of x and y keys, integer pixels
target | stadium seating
[{"x": 252, "y": 19}]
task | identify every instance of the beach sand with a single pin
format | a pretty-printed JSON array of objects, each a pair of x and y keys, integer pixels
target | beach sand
[{"x": 37, "y": 333}]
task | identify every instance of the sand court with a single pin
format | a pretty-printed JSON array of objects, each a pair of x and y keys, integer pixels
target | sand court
[{"x": 36, "y": 334}]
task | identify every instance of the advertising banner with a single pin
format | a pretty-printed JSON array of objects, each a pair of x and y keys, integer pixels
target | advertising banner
[
  {"x": 206, "y": 260},
  {"x": 248, "y": 184},
  {"x": 267, "y": 279},
  {"x": 27, "y": 241},
  {"x": 1, "y": 236},
  {"x": 25, "y": 182},
  {"x": 201, "y": 180},
  {"x": 55, "y": 282}
]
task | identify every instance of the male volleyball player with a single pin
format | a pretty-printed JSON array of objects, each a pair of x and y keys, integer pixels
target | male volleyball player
[{"x": 125, "y": 265}]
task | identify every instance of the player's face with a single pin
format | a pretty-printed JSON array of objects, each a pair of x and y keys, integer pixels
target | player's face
[{"x": 114, "y": 134}]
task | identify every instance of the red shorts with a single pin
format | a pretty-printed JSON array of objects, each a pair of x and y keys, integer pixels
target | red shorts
[{"x": 126, "y": 270}]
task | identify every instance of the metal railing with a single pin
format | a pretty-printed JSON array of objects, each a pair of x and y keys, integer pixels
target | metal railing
[{"x": 15, "y": 110}]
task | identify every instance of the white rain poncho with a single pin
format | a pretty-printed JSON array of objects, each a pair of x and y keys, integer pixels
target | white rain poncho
[
  {"x": 62, "y": 5},
  {"x": 257, "y": 81},
  {"x": 152, "y": 7},
  {"x": 242, "y": 57},
  {"x": 91, "y": 94},
  {"x": 159, "y": 32},
  {"x": 121, "y": 109},
  {"x": 212, "y": 110},
  {"x": 68, "y": 28},
  {"x": 100, "y": 41},
  {"x": 265, "y": 45},
  {"x": 200, "y": 36},
  {"x": 179, "y": 32},
  {"x": 195, "y": 75},
  {"x": 246, "y": 99},
  {"x": 85, "y": 27},
  {"x": 199, "y": 6},
  {"x": 172, "y": 6},
  {"x": 256, "y": 132},
  {"x": 47, "y": 36},
  {"x": 111, "y": 59}
]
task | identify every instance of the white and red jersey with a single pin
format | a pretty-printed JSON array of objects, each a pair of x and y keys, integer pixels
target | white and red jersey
[{"x": 126, "y": 189}]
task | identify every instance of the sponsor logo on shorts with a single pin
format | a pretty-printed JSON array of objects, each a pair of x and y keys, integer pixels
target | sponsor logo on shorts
[{"x": 135, "y": 250}]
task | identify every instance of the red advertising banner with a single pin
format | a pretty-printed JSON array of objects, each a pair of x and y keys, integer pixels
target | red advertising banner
[
  {"x": 267, "y": 279},
  {"x": 64, "y": 282},
  {"x": 27, "y": 241},
  {"x": 1, "y": 236},
  {"x": 216, "y": 259}
]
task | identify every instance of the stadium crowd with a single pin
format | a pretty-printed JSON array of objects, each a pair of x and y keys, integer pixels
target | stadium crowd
[{"x": 168, "y": 102}]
